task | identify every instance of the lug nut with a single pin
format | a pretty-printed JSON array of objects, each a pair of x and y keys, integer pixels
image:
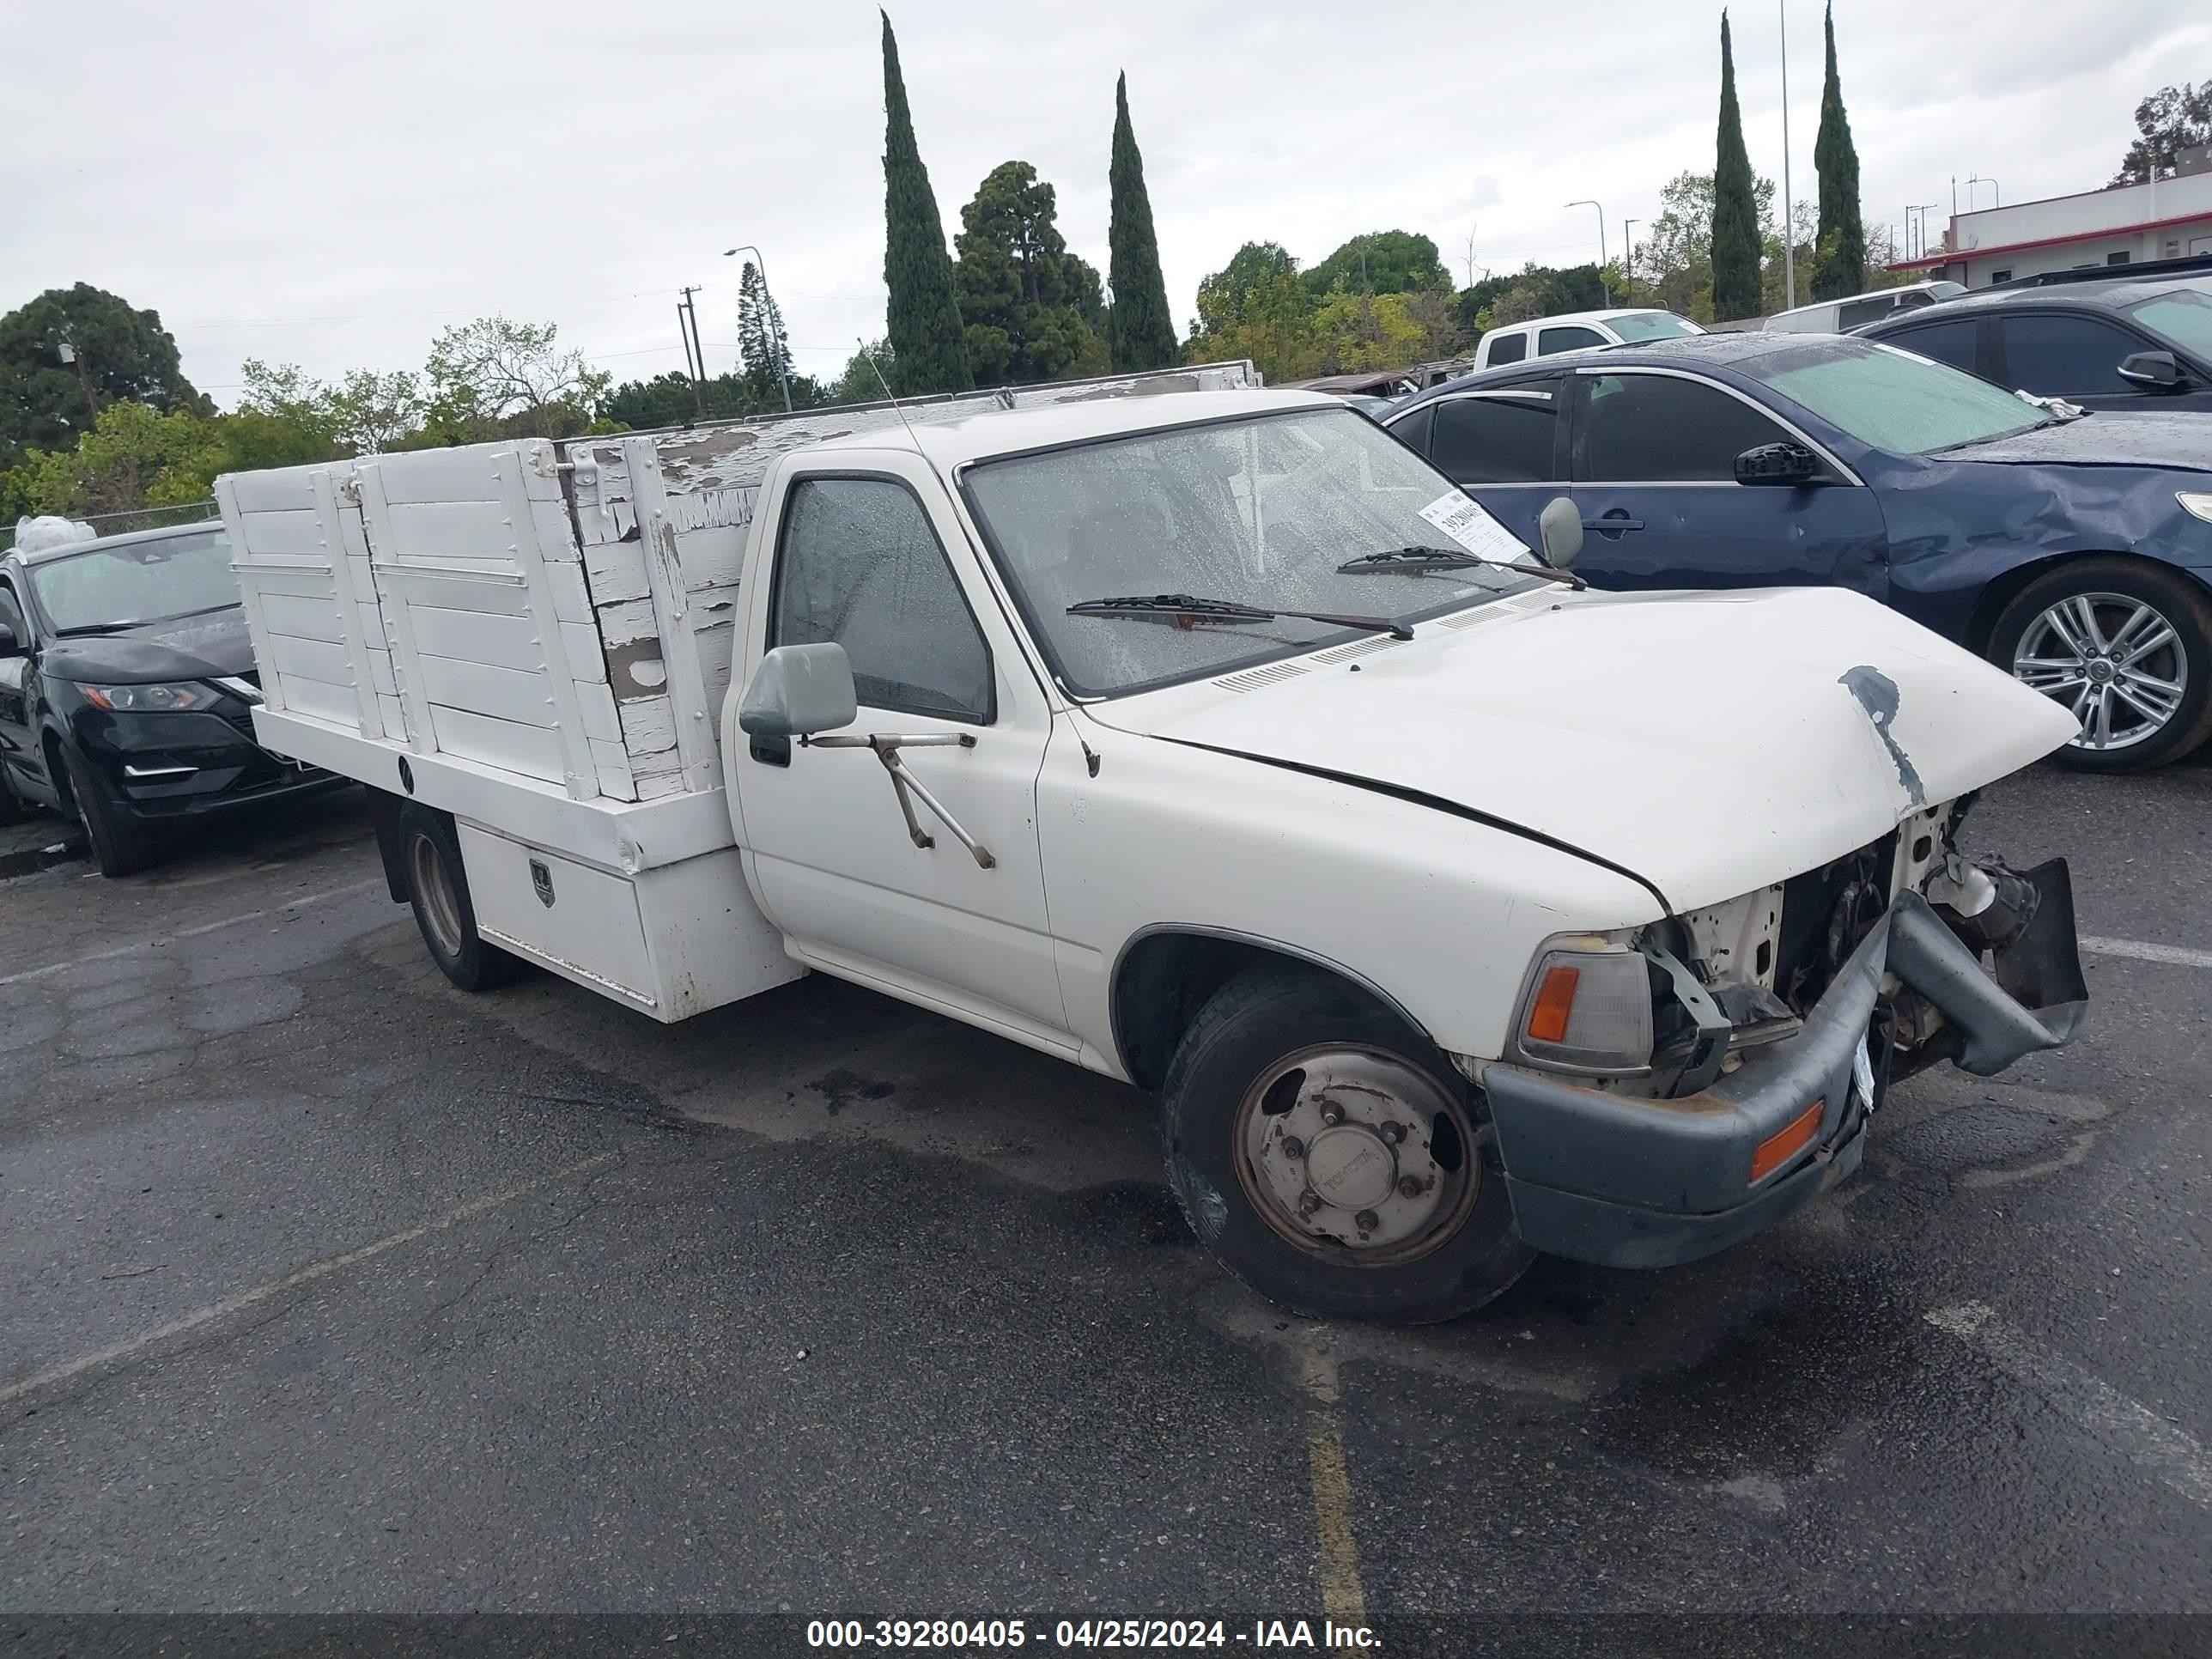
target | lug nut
[
  {"x": 1410, "y": 1188},
  {"x": 1367, "y": 1221},
  {"x": 1293, "y": 1147},
  {"x": 1332, "y": 1115},
  {"x": 1308, "y": 1203},
  {"x": 1394, "y": 1133}
]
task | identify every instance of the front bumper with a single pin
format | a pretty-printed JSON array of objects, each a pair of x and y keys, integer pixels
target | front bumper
[
  {"x": 1635, "y": 1183},
  {"x": 160, "y": 768}
]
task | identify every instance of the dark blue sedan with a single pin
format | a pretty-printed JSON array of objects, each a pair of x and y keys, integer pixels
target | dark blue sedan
[{"x": 2074, "y": 549}]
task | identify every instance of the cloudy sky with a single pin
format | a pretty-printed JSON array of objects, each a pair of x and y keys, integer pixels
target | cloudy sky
[{"x": 329, "y": 185}]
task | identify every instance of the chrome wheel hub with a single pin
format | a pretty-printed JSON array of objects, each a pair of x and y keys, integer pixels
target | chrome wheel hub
[
  {"x": 1353, "y": 1151},
  {"x": 2114, "y": 662}
]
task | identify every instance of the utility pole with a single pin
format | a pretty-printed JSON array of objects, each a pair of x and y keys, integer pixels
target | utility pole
[
  {"x": 694, "y": 353},
  {"x": 1789, "y": 212}
]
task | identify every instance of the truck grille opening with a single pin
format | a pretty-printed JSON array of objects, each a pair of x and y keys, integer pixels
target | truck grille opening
[{"x": 1826, "y": 913}]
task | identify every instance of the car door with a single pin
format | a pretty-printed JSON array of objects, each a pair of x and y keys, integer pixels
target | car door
[
  {"x": 870, "y": 557},
  {"x": 1500, "y": 444},
  {"x": 2069, "y": 354},
  {"x": 19, "y": 749},
  {"x": 1653, "y": 467}
]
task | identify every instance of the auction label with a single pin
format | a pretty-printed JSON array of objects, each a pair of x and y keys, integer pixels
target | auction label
[{"x": 1468, "y": 522}]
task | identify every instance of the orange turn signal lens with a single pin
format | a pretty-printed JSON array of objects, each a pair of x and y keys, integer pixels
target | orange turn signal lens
[
  {"x": 1785, "y": 1143},
  {"x": 1555, "y": 1000}
]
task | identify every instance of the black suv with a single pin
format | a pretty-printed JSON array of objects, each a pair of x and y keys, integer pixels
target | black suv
[
  {"x": 127, "y": 689},
  {"x": 2107, "y": 339}
]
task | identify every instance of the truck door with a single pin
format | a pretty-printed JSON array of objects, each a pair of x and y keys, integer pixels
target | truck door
[{"x": 870, "y": 556}]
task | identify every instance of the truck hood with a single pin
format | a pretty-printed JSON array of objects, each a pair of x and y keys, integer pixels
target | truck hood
[{"x": 1708, "y": 743}]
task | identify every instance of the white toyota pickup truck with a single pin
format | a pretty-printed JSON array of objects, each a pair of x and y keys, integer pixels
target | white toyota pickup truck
[{"x": 1210, "y": 741}]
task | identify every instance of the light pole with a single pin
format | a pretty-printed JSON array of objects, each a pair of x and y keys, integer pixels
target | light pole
[
  {"x": 1789, "y": 212},
  {"x": 767, "y": 300},
  {"x": 1913, "y": 251},
  {"x": 1996, "y": 195},
  {"x": 1586, "y": 202},
  {"x": 1627, "y": 250}
]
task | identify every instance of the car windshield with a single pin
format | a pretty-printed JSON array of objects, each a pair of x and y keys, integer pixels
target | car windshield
[
  {"x": 1259, "y": 511},
  {"x": 136, "y": 581},
  {"x": 2183, "y": 316},
  {"x": 1651, "y": 325},
  {"x": 1890, "y": 398}
]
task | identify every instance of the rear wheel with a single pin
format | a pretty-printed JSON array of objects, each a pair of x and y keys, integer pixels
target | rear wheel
[
  {"x": 120, "y": 846},
  {"x": 1331, "y": 1158},
  {"x": 2125, "y": 647},
  {"x": 438, "y": 890},
  {"x": 12, "y": 807}
]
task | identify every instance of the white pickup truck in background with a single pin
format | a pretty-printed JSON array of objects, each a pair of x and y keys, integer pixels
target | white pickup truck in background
[{"x": 1208, "y": 740}]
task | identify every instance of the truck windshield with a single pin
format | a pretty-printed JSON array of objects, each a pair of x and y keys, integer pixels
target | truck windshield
[
  {"x": 107, "y": 587},
  {"x": 1261, "y": 511}
]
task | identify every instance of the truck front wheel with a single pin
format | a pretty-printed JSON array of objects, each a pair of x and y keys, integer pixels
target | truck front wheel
[
  {"x": 1331, "y": 1158},
  {"x": 438, "y": 889}
]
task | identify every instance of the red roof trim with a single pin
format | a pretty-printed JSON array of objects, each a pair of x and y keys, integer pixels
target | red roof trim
[{"x": 1931, "y": 261}]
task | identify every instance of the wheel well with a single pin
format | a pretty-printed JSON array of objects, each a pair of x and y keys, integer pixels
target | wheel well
[
  {"x": 58, "y": 769},
  {"x": 1981, "y": 621},
  {"x": 1165, "y": 977}
]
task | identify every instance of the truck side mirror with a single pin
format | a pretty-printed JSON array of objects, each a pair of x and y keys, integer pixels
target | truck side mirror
[
  {"x": 9, "y": 645},
  {"x": 1785, "y": 463},
  {"x": 1559, "y": 527},
  {"x": 798, "y": 690},
  {"x": 2153, "y": 371}
]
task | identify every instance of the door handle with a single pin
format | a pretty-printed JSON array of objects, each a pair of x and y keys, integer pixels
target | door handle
[
  {"x": 1612, "y": 523},
  {"x": 886, "y": 750}
]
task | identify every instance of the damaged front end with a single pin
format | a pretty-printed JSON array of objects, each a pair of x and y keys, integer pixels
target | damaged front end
[{"x": 1771, "y": 1028}]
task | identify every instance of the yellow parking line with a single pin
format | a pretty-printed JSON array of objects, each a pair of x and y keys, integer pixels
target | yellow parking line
[{"x": 1341, "y": 1597}]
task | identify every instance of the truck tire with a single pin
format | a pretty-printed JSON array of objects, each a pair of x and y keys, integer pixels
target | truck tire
[
  {"x": 438, "y": 891},
  {"x": 120, "y": 846},
  {"x": 1331, "y": 1157},
  {"x": 2123, "y": 644}
]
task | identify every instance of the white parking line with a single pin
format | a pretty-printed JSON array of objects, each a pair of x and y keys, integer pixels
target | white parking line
[
  {"x": 313, "y": 1270},
  {"x": 2148, "y": 1440},
  {"x": 2180, "y": 956},
  {"x": 300, "y": 903}
]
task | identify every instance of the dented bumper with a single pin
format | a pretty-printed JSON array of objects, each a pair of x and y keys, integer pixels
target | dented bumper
[{"x": 1638, "y": 1182}]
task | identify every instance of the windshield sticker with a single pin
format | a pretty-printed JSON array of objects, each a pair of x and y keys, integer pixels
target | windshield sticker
[{"x": 1463, "y": 519}]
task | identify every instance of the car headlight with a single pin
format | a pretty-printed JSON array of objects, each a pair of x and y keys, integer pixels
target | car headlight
[
  {"x": 1586, "y": 1009},
  {"x": 165, "y": 698},
  {"x": 2197, "y": 502}
]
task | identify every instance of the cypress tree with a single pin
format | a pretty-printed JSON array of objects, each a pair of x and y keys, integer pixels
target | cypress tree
[
  {"x": 928, "y": 349},
  {"x": 1141, "y": 331},
  {"x": 1840, "y": 271},
  {"x": 1736, "y": 244}
]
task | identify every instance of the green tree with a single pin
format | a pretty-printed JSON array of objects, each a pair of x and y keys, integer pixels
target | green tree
[
  {"x": 761, "y": 348},
  {"x": 1221, "y": 296},
  {"x": 929, "y": 347},
  {"x": 117, "y": 354},
  {"x": 1735, "y": 244},
  {"x": 2171, "y": 119},
  {"x": 133, "y": 456},
  {"x": 1381, "y": 262},
  {"x": 860, "y": 382},
  {"x": 1019, "y": 288},
  {"x": 497, "y": 379},
  {"x": 1142, "y": 328},
  {"x": 1841, "y": 254}
]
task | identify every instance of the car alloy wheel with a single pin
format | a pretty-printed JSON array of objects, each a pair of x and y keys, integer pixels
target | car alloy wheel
[{"x": 2115, "y": 662}]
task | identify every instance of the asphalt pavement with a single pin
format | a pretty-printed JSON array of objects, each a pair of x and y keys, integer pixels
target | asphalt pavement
[{"x": 327, "y": 1289}]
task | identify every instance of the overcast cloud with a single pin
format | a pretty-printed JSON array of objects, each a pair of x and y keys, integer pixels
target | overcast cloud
[{"x": 329, "y": 185}]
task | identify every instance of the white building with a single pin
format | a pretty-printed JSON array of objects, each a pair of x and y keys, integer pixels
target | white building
[{"x": 2168, "y": 219}]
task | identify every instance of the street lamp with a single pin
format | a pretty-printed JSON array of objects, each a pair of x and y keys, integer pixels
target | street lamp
[
  {"x": 767, "y": 300},
  {"x": 1586, "y": 202},
  {"x": 1628, "y": 249},
  {"x": 1789, "y": 208},
  {"x": 1996, "y": 195}
]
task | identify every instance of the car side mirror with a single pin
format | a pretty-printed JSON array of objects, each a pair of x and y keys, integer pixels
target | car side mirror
[
  {"x": 1559, "y": 527},
  {"x": 798, "y": 690},
  {"x": 1785, "y": 463},
  {"x": 9, "y": 645},
  {"x": 2155, "y": 371}
]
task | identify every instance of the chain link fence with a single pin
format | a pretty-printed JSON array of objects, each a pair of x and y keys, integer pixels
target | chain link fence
[{"x": 117, "y": 524}]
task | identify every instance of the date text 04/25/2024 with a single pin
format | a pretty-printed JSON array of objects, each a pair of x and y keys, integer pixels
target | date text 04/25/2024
[{"x": 1116, "y": 1633}]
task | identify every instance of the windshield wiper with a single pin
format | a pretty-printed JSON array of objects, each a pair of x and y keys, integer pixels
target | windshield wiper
[
  {"x": 1393, "y": 560},
  {"x": 1177, "y": 607}
]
